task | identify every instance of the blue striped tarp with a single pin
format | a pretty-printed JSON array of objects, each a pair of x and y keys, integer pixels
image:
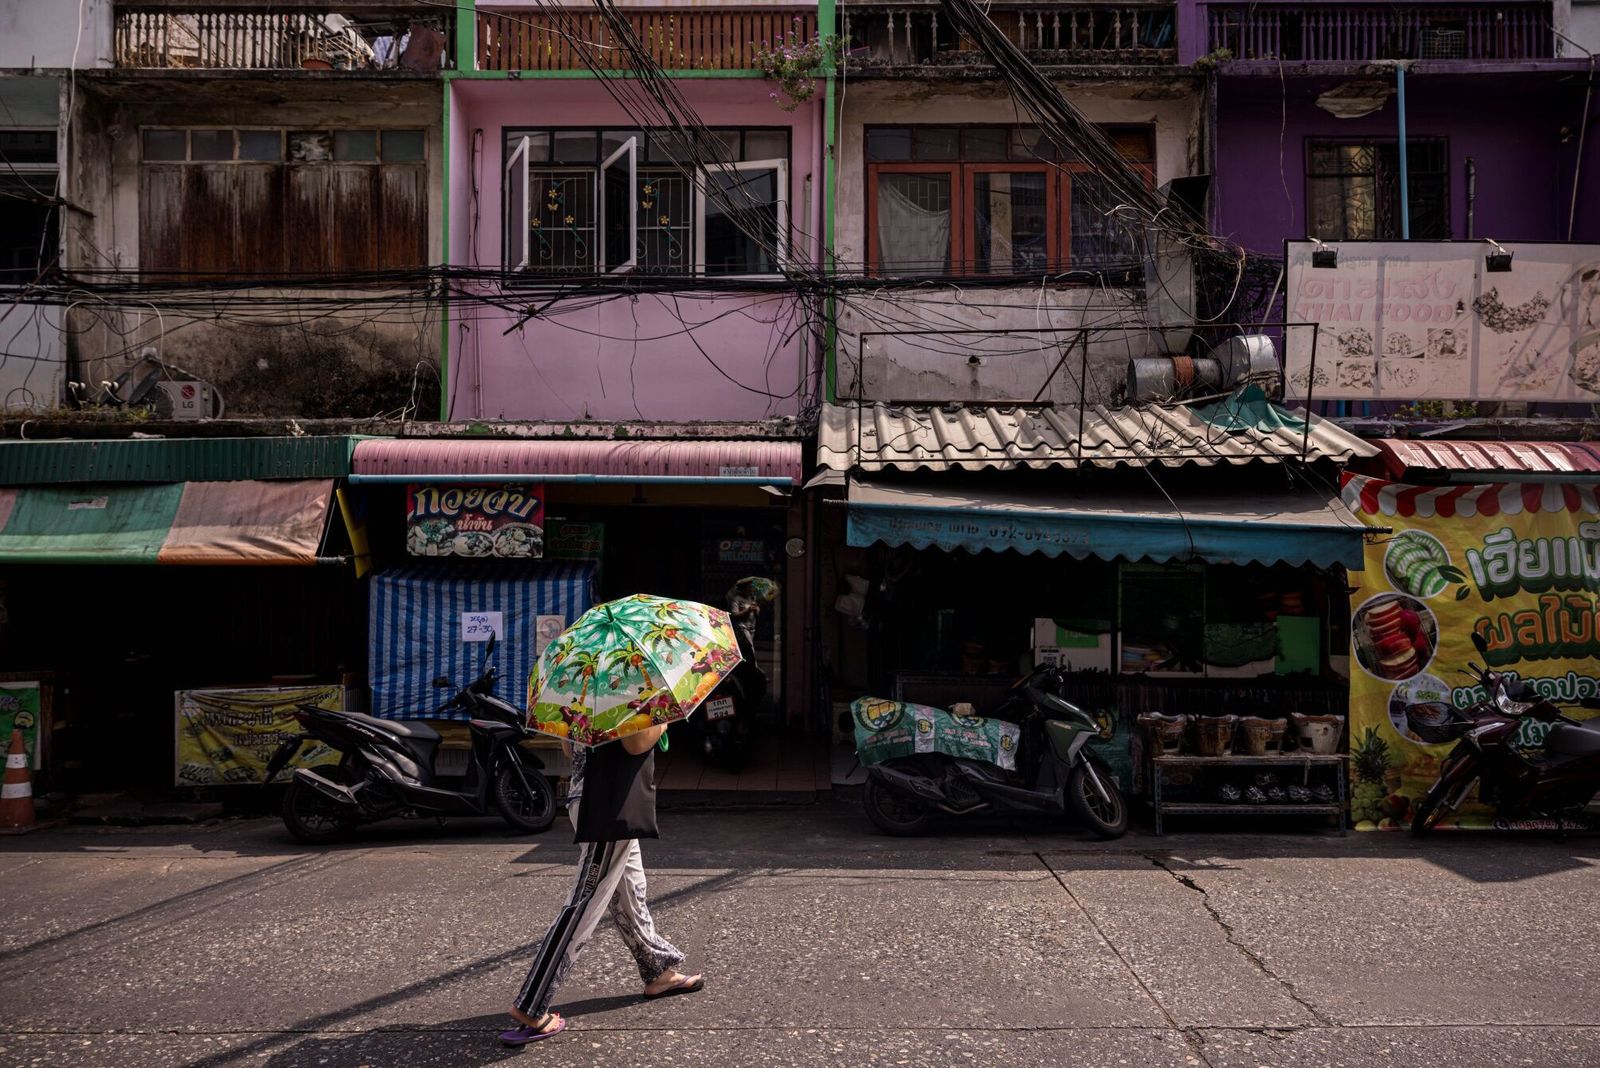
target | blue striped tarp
[{"x": 415, "y": 629}]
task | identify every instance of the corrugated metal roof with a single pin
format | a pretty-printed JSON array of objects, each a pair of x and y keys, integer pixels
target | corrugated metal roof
[
  {"x": 1543, "y": 459},
  {"x": 690, "y": 459},
  {"x": 24, "y": 463},
  {"x": 878, "y": 437}
]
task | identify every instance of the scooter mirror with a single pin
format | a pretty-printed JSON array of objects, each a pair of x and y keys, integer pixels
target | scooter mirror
[
  {"x": 1480, "y": 644},
  {"x": 441, "y": 683}
]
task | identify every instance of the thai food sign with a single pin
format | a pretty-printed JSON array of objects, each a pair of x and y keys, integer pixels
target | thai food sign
[
  {"x": 1517, "y": 563},
  {"x": 475, "y": 521},
  {"x": 1427, "y": 320}
]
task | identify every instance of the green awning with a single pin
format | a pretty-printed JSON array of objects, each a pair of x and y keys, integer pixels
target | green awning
[
  {"x": 1295, "y": 526},
  {"x": 81, "y": 461},
  {"x": 168, "y": 523}
]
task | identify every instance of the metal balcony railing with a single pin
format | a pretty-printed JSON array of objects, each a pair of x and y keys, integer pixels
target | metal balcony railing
[
  {"x": 1358, "y": 33},
  {"x": 282, "y": 37},
  {"x": 1052, "y": 35},
  {"x": 676, "y": 39}
]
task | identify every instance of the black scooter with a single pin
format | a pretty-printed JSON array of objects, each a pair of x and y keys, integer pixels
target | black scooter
[
  {"x": 386, "y": 768},
  {"x": 727, "y": 721},
  {"x": 1056, "y": 772}
]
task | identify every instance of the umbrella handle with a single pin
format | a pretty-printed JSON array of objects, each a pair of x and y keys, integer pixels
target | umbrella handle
[{"x": 662, "y": 744}]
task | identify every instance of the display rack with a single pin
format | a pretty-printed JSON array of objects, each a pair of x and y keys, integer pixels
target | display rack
[{"x": 1307, "y": 761}]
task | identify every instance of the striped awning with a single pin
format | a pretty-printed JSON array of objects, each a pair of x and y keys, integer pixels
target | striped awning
[
  {"x": 167, "y": 523},
  {"x": 1379, "y": 497},
  {"x": 768, "y": 462}
]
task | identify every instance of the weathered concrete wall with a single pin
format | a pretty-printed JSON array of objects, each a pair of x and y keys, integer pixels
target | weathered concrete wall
[
  {"x": 315, "y": 353},
  {"x": 45, "y": 34}
]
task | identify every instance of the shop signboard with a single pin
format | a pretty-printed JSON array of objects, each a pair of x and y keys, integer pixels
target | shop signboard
[
  {"x": 505, "y": 522},
  {"x": 1516, "y": 563},
  {"x": 566, "y": 539},
  {"x": 227, "y": 737},
  {"x": 1430, "y": 320},
  {"x": 19, "y": 710}
]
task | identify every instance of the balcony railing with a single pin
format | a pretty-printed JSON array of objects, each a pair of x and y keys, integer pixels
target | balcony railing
[
  {"x": 228, "y": 37},
  {"x": 1053, "y": 35},
  {"x": 678, "y": 39},
  {"x": 1354, "y": 33}
]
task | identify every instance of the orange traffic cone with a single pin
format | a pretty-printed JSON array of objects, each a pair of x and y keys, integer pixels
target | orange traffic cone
[{"x": 16, "y": 789}]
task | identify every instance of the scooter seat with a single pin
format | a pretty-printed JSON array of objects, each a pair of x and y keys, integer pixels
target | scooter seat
[
  {"x": 420, "y": 731},
  {"x": 1573, "y": 740}
]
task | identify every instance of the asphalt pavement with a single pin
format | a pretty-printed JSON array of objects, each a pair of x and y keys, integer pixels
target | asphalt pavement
[{"x": 823, "y": 942}]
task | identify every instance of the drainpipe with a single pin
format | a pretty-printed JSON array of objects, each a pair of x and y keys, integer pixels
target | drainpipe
[
  {"x": 1577, "y": 167},
  {"x": 1472, "y": 195},
  {"x": 1405, "y": 162}
]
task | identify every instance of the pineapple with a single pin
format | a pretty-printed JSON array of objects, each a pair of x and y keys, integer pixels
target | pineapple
[{"x": 1370, "y": 756}]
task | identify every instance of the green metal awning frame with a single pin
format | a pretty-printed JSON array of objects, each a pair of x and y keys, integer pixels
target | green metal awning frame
[{"x": 80, "y": 461}]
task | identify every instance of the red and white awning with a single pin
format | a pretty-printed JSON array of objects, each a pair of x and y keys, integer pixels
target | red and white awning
[{"x": 1378, "y": 497}]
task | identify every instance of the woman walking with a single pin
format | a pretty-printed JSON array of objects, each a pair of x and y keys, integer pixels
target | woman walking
[{"x": 612, "y": 804}]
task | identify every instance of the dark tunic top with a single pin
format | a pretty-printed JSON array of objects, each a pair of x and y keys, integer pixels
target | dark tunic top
[{"x": 618, "y": 795}]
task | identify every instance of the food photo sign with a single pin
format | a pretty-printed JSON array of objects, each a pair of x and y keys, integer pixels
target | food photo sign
[
  {"x": 1518, "y": 563},
  {"x": 1428, "y": 320},
  {"x": 491, "y": 522}
]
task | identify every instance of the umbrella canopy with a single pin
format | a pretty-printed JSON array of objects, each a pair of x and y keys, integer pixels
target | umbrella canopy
[
  {"x": 630, "y": 664},
  {"x": 756, "y": 588}
]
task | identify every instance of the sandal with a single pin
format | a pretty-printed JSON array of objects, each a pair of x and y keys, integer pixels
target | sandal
[
  {"x": 523, "y": 1034},
  {"x": 689, "y": 984}
]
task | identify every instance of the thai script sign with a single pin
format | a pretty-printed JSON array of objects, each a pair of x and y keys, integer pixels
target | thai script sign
[
  {"x": 476, "y": 521},
  {"x": 1518, "y": 564},
  {"x": 227, "y": 737},
  {"x": 1419, "y": 320}
]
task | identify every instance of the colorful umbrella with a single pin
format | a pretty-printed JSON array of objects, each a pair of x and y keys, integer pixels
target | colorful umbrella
[
  {"x": 628, "y": 665},
  {"x": 755, "y": 588}
]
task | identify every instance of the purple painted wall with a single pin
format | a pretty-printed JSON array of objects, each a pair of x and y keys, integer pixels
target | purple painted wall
[
  {"x": 1510, "y": 125},
  {"x": 732, "y": 356}
]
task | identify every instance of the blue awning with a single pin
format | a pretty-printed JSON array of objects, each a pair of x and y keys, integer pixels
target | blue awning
[{"x": 1298, "y": 526}]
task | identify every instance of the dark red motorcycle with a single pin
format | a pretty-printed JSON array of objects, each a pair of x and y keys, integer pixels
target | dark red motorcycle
[{"x": 1527, "y": 758}]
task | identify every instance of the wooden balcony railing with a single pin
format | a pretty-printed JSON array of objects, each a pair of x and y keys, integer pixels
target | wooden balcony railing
[
  {"x": 1057, "y": 34},
  {"x": 285, "y": 37},
  {"x": 1357, "y": 33},
  {"x": 676, "y": 39}
]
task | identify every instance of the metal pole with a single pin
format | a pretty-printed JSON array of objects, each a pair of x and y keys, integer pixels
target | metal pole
[{"x": 1405, "y": 168}]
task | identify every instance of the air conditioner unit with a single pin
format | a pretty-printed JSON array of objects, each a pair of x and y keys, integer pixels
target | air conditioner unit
[{"x": 182, "y": 400}]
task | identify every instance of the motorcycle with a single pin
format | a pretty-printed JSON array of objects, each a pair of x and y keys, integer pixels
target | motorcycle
[
  {"x": 1526, "y": 757},
  {"x": 727, "y": 723},
  {"x": 1055, "y": 772},
  {"x": 386, "y": 768}
]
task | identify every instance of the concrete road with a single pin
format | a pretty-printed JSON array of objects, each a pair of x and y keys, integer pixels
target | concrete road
[{"x": 1000, "y": 943}]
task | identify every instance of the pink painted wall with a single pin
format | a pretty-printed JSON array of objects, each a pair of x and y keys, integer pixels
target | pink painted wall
[{"x": 728, "y": 356}]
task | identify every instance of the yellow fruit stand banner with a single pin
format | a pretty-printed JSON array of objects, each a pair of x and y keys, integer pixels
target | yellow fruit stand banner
[
  {"x": 1518, "y": 563},
  {"x": 227, "y": 737}
]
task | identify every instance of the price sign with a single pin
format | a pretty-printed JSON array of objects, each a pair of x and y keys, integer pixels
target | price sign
[{"x": 481, "y": 626}]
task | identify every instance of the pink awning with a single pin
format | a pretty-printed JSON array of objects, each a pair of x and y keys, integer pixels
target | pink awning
[
  {"x": 707, "y": 461},
  {"x": 1554, "y": 460}
]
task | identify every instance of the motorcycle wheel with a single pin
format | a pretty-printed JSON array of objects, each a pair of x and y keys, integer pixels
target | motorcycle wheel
[
  {"x": 892, "y": 812},
  {"x": 311, "y": 818},
  {"x": 531, "y": 815},
  {"x": 1430, "y": 810},
  {"x": 1106, "y": 819}
]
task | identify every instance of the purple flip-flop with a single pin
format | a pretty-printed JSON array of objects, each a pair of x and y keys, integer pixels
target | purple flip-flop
[{"x": 521, "y": 1036}]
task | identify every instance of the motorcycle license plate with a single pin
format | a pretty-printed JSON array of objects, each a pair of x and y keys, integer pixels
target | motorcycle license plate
[{"x": 721, "y": 708}]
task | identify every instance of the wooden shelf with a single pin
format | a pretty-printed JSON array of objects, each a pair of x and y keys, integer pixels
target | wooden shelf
[{"x": 1305, "y": 761}]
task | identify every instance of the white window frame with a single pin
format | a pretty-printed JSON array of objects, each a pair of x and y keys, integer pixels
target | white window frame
[
  {"x": 630, "y": 149},
  {"x": 523, "y": 237},
  {"x": 781, "y": 166}
]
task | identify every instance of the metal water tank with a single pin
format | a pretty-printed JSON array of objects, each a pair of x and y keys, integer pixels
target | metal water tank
[{"x": 1159, "y": 378}]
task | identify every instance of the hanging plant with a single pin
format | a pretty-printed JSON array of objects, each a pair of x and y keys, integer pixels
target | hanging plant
[{"x": 793, "y": 62}]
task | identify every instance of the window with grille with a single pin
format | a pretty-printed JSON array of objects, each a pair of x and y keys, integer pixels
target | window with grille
[
  {"x": 604, "y": 201},
  {"x": 995, "y": 200},
  {"x": 1353, "y": 189}
]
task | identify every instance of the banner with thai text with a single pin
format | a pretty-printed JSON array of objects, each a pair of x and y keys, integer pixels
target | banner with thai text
[
  {"x": 475, "y": 521},
  {"x": 1516, "y": 563}
]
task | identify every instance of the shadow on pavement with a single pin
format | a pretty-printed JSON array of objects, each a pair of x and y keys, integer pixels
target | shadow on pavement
[{"x": 465, "y": 1043}]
